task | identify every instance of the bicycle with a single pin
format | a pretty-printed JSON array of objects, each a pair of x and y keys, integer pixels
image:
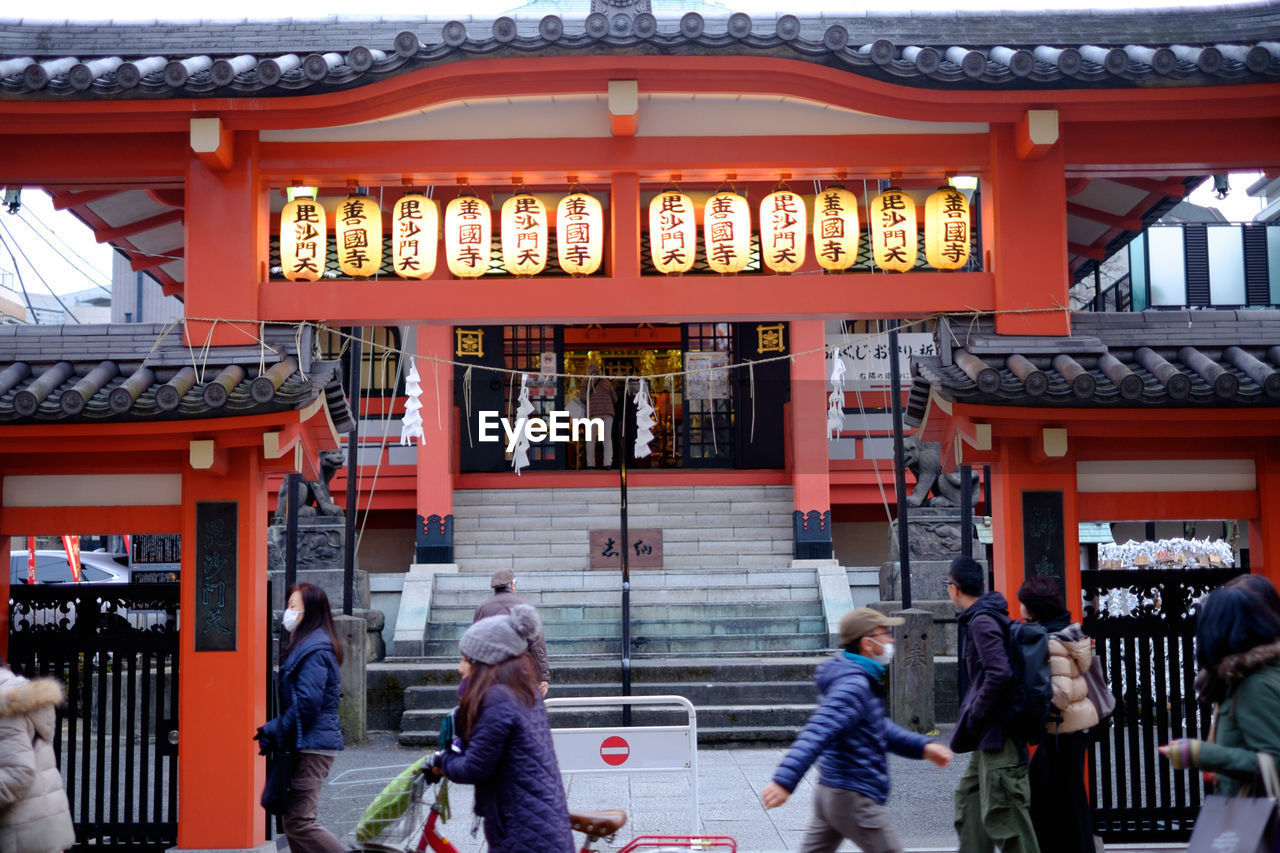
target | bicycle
[{"x": 416, "y": 829}]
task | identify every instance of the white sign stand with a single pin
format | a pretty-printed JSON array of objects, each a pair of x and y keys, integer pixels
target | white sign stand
[{"x": 631, "y": 749}]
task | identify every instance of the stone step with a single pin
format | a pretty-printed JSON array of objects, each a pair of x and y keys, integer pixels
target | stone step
[
  {"x": 660, "y": 645},
  {"x": 744, "y": 718},
  {"x": 789, "y": 608},
  {"x": 743, "y": 626},
  {"x": 640, "y": 580},
  {"x": 639, "y": 597},
  {"x": 716, "y": 693}
]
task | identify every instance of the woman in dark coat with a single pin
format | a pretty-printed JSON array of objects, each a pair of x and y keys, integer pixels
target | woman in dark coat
[
  {"x": 1238, "y": 644},
  {"x": 506, "y": 749},
  {"x": 308, "y": 722}
]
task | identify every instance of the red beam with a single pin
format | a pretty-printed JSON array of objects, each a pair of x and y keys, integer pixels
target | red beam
[
  {"x": 51, "y": 520},
  {"x": 66, "y": 200},
  {"x": 147, "y": 262},
  {"x": 1128, "y": 223},
  {"x": 90, "y": 159},
  {"x": 109, "y": 235},
  {"x": 1188, "y": 146},
  {"x": 494, "y": 160},
  {"x": 1167, "y": 506},
  {"x": 1093, "y": 253},
  {"x": 626, "y": 299}
]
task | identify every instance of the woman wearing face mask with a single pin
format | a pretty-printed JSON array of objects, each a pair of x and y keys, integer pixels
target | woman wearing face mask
[
  {"x": 1060, "y": 808},
  {"x": 848, "y": 736},
  {"x": 308, "y": 722}
]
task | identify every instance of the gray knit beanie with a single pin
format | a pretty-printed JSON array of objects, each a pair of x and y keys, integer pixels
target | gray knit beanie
[{"x": 498, "y": 638}]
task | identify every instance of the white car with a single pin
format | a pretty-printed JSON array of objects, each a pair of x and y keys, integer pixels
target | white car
[{"x": 52, "y": 567}]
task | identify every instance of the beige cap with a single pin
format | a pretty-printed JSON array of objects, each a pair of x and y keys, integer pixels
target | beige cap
[
  {"x": 859, "y": 622},
  {"x": 502, "y": 577}
]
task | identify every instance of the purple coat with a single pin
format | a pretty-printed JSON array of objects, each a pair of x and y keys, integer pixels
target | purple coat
[
  {"x": 987, "y": 673},
  {"x": 512, "y": 763}
]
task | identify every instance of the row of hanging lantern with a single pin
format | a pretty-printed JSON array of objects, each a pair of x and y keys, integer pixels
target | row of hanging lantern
[
  {"x": 673, "y": 233},
  {"x": 468, "y": 230},
  {"x": 784, "y": 230}
]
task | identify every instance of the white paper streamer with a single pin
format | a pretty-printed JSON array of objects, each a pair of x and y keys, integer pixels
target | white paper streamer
[
  {"x": 644, "y": 420},
  {"x": 1166, "y": 553},
  {"x": 835, "y": 402},
  {"x": 411, "y": 425},
  {"x": 520, "y": 455}
]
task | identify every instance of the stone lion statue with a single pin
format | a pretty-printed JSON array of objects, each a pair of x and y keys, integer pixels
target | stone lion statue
[
  {"x": 313, "y": 495},
  {"x": 924, "y": 460}
]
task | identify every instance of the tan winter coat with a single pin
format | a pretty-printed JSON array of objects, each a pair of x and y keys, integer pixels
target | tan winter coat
[
  {"x": 34, "y": 815},
  {"x": 1070, "y": 653}
]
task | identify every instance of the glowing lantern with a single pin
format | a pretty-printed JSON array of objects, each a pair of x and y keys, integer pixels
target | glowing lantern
[
  {"x": 415, "y": 221},
  {"x": 835, "y": 228},
  {"x": 303, "y": 241},
  {"x": 359, "y": 236},
  {"x": 673, "y": 232},
  {"x": 894, "y": 242},
  {"x": 783, "y": 230},
  {"x": 468, "y": 230},
  {"x": 579, "y": 234},
  {"x": 946, "y": 229},
  {"x": 726, "y": 224},
  {"x": 524, "y": 234}
]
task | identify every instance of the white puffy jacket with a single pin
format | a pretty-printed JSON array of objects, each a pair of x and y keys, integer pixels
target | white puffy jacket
[{"x": 34, "y": 815}]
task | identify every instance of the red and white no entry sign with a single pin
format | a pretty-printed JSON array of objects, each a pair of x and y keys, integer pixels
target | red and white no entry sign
[{"x": 614, "y": 751}]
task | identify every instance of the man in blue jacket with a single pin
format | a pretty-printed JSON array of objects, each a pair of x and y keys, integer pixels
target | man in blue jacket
[{"x": 848, "y": 736}]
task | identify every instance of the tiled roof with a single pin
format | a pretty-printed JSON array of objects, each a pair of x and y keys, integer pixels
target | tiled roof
[
  {"x": 1182, "y": 359},
  {"x": 1047, "y": 50},
  {"x": 144, "y": 372}
]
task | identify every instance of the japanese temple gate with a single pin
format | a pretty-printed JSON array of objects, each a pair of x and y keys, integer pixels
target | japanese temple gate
[{"x": 597, "y": 105}]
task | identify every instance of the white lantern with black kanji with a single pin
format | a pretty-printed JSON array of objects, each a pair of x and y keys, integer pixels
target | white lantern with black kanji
[
  {"x": 894, "y": 241},
  {"x": 303, "y": 239},
  {"x": 835, "y": 228},
  {"x": 784, "y": 228},
  {"x": 524, "y": 234},
  {"x": 415, "y": 225},
  {"x": 468, "y": 231},
  {"x": 359, "y": 236},
  {"x": 726, "y": 226},
  {"x": 673, "y": 232},
  {"x": 579, "y": 233},
  {"x": 946, "y": 229}
]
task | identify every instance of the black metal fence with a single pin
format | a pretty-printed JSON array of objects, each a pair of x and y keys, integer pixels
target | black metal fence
[
  {"x": 115, "y": 647},
  {"x": 1143, "y": 621}
]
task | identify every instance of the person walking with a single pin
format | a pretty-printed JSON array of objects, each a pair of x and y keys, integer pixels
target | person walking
[
  {"x": 34, "y": 814},
  {"x": 505, "y": 748},
  {"x": 849, "y": 737},
  {"x": 1238, "y": 644},
  {"x": 503, "y": 583},
  {"x": 308, "y": 723},
  {"x": 599, "y": 397},
  {"x": 992, "y": 798},
  {"x": 1060, "y": 807}
]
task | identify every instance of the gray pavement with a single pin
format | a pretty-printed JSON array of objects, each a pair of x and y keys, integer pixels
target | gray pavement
[{"x": 730, "y": 781}]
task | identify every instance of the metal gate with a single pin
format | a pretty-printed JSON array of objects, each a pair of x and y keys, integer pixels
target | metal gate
[
  {"x": 115, "y": 647},
  {"x": 1143, "y": 621}
]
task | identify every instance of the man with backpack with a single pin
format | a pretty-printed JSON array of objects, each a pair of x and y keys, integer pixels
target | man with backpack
[{"x": 993, "y": 797}]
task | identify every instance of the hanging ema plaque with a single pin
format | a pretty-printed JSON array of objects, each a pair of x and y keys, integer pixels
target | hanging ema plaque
[{"x": 215, "y": 566}]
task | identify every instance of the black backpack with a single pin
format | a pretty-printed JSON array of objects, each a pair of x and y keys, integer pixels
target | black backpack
[{"x": 1027, "y": 711}]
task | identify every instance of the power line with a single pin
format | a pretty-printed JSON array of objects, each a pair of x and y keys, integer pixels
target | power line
[
  {"x": 26, "y": 296},
  {"x": 57, "y": 298},
  {"x": 22, "y": 216}
]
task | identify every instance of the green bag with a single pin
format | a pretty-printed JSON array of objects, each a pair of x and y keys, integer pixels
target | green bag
[{"x": 390, "y": 804}]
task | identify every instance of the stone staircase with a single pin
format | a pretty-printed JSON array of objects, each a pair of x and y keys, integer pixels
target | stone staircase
[
  {"x": 741, "y": 645},
  {"x": 703, "y": 527},
  {"x": 762, "y": 699},
  {"x": 673, "y": 613}
]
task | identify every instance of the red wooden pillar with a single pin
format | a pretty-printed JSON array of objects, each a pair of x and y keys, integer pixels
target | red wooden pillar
[
  {"x": 1024, "y": 234},
  {"x": 810, "y": 467},
  {"x": 1021, "y": 469},
  {"x": 227, "y": 231},
  {"x": 435, "y": 457},
  {"x": 222, "y": 694},
  {"x": 624, "y": 225},
  {"x": 1264, "y": 531}
]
